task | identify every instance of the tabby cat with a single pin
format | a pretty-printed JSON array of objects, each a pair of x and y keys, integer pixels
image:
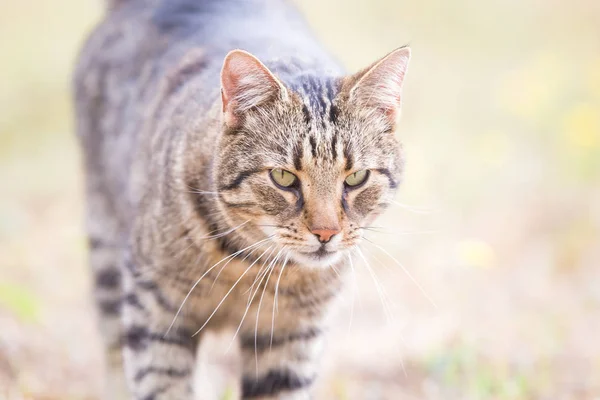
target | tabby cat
[{"x": 226, "y": 188}]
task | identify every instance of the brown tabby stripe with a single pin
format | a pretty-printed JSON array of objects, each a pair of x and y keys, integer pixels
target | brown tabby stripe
[
  {"x": 313, "y": 146},
  {"x": 170, "y": 372},
  {"x": 239, "y": 179},
  {"x": 334, "y": 140},
  {"x": 96, "y": 243},
  {"x": 274, "y": 382},
  {"x": 204, "y": 211},
  {"x": 182, "y": 76},
  {"x": 263, "y": 342},
  {"x": 138, "y": 338},
  {"x": 109, "y": 278},
  {"x": 298, "y": 153},
  {"x": 153, "y": 288},
  {"x": 307, "y": 117},
  {"x": 110, "y": 307},
  {"x": 156, "y": 393},
  {"x": 348, "y": 157},
  {"x": 239, "y": 205},
  {"x": 133, "y": 300}
]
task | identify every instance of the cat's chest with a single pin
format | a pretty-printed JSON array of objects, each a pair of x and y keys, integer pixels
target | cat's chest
[{"x": 237, "y": 291}]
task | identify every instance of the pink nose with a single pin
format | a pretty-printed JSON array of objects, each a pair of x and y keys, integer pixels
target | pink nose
[{"x": 325, "y": 234}]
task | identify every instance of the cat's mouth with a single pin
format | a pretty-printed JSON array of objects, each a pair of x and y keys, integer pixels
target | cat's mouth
[
  {"x": 321, "y": 253},
  {"x": 320, "y": 257}
]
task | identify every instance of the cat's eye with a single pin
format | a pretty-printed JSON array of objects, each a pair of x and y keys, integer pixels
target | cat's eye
[
  {"x": 357, "y": 178},
  {"x": 283, "y": 178}
]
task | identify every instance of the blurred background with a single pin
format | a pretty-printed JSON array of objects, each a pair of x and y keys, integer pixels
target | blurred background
[{"x": 489, "y": 278}]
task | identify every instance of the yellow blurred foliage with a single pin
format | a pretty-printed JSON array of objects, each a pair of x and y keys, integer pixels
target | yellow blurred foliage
[{"x": 581, "y": 126}]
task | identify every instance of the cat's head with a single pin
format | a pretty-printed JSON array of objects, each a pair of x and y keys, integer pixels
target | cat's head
[{"x": 310, "y": 162}]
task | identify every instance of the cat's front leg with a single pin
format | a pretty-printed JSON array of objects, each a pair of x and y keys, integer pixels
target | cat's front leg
[
  {"x": 159, "y": 362},
  {"x": 284, "y": 367}
]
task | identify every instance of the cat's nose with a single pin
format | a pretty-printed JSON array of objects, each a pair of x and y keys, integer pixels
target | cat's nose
[{"x": 325, "y": 234}]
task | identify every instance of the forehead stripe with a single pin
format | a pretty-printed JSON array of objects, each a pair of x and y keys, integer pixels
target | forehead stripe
[
  {"x": 333, "y": 114},
  {"x": 334, "y": 140},
  {"x": 313, "y": 146},
  {"x": 348, "y": 157},
  {"x": 307, "y": 117},
  {"x": 298, "y": 153},
  {"x": 330, "y": 89}
]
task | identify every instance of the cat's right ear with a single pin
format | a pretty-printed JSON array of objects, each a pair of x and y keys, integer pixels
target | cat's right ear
[{"x": 245, "y": 84}]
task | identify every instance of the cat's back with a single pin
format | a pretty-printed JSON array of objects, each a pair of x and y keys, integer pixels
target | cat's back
[
  {"x": 138, "y": 37},
  {"x": 138, "y": 41},
  {"x": 122, "y": 69}
]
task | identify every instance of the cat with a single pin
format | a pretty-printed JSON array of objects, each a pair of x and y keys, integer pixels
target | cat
[{"x": 226, "y": 188}]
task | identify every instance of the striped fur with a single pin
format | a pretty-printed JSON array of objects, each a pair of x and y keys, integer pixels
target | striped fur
[{"x": 187, "y": 231}]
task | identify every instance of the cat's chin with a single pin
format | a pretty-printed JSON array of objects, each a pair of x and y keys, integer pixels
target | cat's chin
[{"x": 318, "y": 259}]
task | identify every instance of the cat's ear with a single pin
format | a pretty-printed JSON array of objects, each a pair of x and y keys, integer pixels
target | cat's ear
[
  {"x": 380, "y": 85},
  {"x": 246, "y": 83}
]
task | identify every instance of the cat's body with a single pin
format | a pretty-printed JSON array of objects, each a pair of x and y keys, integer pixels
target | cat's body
[{"x": 178, "y": 157}]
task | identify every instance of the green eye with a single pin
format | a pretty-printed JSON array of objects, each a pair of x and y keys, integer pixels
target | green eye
[
  {"x": 282, "y": 177},
  {"x": 357, "y": 178}
]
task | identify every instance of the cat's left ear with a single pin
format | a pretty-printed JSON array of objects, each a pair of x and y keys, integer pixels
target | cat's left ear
[
  {"x": 246, "y": 83},
  {"x": 380, "y": 85}
]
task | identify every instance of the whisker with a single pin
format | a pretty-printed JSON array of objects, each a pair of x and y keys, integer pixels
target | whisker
[
  {"x": 334, "y": 269},
  {"x": 262, "y": 274},
  {"x": 382, "y": 230},
  {"x": 380, "y": 290},
  {"x": 285, "y": 261},
  {"x": 405, "y": 271},
  {"x": 212, "y": 214},
  {"x": 206, "y": 273},
  {"x": 249, "y": 299},
  {"x": 227, "y": 232},
  {"x": 182, "y": 251},
  {"x": 384, "y": 265},
  {"x": 275, "y": 306},
  {"x": 354, "y": 289},
  {"x": 387, "y": 267},
  {"x": 208, "y": 234},
  {"x": 225, "y": 265},
  {"x": 416, "y": 210},
  {"x": 388, "y": 315},
  {"x": 272, "y": 267},
  {"x": 223, "y": 299},
  {"x": 200, "y": 191},
  {"x": 262, "y": 271},
  {"x": 355, "y": 279}
]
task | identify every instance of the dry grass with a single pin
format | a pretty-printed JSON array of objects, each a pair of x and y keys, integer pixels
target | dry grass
[{"x": 502, "y": 131}]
